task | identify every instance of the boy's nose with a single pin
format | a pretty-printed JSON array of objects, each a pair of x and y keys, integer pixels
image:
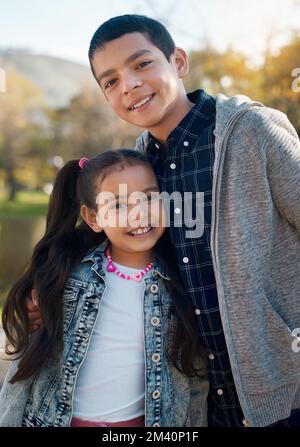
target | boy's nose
[{"x": 130, "y": 83}]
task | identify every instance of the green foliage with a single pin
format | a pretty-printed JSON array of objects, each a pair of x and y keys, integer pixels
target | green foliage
[
  {"x": 31, "y": 133},
  {"x": 230, "y": 73},
  {"x": 26, "y": 204},
  {"x": 277, "y": 81}
]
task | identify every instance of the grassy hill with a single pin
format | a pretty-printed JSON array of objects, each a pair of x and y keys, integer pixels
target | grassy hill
[{"x": 59, "y": 79}]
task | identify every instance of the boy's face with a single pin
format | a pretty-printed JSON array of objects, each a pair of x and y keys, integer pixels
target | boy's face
[{"x": 141, "y": 85}]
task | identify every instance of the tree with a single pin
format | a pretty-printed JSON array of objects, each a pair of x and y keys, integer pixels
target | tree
[
  {"x": 88, "y": 126},
  {"x": 277, "y": 80},
  {"x": 18, "y": 106},
  {"x": 217, "y": 72}
]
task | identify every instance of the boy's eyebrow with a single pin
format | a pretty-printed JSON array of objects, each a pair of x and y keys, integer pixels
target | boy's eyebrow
[{"x": 130, "y": 58}]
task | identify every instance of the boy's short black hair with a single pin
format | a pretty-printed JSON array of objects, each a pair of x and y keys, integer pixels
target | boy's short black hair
[{"x": 116, "y": 27}]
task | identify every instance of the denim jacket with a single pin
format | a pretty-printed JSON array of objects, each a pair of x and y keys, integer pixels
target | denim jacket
[{"x": 171, "y": 398}]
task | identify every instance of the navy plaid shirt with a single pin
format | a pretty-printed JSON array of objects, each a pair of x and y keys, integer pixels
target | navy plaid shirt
[{"x": 186, "y": 165}]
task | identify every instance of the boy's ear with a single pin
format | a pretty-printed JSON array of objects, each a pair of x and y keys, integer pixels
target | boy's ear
[
  {"x": 181, "y": 61},
  {"x": 89, "y": 216}
]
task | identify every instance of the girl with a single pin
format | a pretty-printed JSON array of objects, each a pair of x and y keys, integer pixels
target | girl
[{"x": 117, "y": 346}]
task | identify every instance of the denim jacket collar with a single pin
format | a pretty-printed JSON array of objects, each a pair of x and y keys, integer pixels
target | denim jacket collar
[{"x": 96, "y": 256}]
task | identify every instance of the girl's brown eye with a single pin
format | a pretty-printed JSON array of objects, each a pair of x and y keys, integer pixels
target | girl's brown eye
[{"x": 109, "y": 83}]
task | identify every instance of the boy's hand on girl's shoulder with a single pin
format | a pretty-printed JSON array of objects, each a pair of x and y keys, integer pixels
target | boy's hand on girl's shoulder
[{"x": 33, "y": 310}]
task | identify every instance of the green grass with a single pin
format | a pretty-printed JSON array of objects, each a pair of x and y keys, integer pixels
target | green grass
[{"x": 26, "y": 204}]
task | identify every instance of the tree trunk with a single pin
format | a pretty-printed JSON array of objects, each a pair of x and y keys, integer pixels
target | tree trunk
[
  {"x": 10, "y": 177},
  {"x": 11, "y": 183}
]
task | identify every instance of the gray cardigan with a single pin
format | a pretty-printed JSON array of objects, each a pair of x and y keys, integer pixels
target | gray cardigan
[{"x": 255, "y": 243}]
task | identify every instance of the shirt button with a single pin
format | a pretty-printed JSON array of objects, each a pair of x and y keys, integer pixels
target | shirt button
[
  {"x": 214, "y": 132},
  {"x": 172, "y": 166},
  {"x": 155, "y": 358},
  {"x": 220, "y": 392},
  {"x": 211, "y": 356},
  {"x": 153, "y": 288},
  {"x": 186, "y": 143},
  {"x": 177, "y": 210},
  {"x": 155, "y": 394},
  {"x": 197, "y": 311},
  {"x": 156, "y": 424},
  {"x": 245, "y": 423},
  {"x": 157, "y": 145},
  {"x": 185, "y": 260},
  {"x": 155, "y": 321}
]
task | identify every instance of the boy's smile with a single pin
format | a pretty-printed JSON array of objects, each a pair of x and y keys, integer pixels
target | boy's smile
[{"x": 142, "y": 86}]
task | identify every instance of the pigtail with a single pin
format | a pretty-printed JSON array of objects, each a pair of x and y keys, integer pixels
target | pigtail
[{"x": 51, "y": 264}]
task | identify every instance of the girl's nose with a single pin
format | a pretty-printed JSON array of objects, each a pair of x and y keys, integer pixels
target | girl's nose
[{"x": 140, "y": 216}]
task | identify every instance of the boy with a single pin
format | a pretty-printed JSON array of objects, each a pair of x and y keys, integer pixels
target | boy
[{"x": 243, "y": 273}]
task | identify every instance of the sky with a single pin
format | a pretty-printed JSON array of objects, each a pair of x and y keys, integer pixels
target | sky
[{"x": 64, "y": 28}]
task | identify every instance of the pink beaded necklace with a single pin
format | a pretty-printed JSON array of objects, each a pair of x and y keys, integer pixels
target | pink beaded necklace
[{"x": 112, "y": 268}]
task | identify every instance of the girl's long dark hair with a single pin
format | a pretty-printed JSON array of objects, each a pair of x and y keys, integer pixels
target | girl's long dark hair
[{"x": 65, "y": 242}]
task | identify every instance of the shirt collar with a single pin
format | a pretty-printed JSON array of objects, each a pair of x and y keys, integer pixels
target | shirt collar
[{"x": 194, "y": 122}]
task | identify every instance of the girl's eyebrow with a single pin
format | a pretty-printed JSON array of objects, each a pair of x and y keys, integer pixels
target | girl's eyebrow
[
  {"x": 130, "y": 58},
  {"x": 153, "y": 188}
]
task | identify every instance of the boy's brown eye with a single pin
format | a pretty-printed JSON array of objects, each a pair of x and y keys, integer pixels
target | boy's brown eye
[{"x": 144, "y": 63}]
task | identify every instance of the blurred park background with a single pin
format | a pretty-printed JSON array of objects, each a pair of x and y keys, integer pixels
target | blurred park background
[{"x": 51, "y": 109}]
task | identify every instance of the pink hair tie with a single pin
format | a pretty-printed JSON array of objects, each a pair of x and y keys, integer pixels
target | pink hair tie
[{"x": 82, "y": 161}]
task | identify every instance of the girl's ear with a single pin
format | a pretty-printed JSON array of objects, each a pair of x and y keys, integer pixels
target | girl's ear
[
  {"x": 181, "y": 61},
  {"x": 89, "y": 216}
]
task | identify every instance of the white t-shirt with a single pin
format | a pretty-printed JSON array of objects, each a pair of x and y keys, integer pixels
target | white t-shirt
[{"x": 110, "y": 386}]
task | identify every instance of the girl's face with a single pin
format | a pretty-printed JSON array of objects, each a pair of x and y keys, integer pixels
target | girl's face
[{"x": 130, "y": 212}]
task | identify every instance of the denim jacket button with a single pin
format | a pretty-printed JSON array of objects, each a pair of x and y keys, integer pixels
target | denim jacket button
[
  {"x": 155, "y": 321},
  {"x": 154, "y": 288},
  {"x": 155, "y": 358},
  {"x": 155, "y": 394}
]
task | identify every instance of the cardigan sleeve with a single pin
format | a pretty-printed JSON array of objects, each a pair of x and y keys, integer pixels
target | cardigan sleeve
[{"x": 280, "y": 146}]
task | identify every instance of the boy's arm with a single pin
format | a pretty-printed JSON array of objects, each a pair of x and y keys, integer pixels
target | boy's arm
[
  {"x": 33, "y": 311},
  {"x": 285, "y": 180},
  {"x": 280, "y": 144}
]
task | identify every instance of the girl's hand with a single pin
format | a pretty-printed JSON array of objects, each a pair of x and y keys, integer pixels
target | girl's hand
[{"x": 33, "y": 311}]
